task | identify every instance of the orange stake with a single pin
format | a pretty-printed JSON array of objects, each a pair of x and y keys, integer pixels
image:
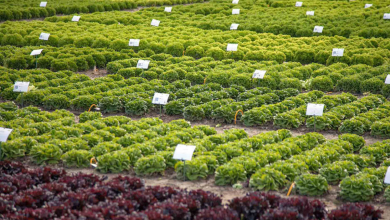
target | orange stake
[
  {"x": 289, "y": 190},
  {"x": 90, "y": 108},
  {"x": 204, "y": 82},
  {"x": 235, "y": 117},
  {"x": 91, "y": 162}
]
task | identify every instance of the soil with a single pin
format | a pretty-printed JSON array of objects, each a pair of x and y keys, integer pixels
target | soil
[{"x": 94, "y": 74}]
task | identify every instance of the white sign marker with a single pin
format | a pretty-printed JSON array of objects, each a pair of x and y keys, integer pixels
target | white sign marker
[
  {"x": 4, "y": 133},
  {"x": 160, "y": 98},
  {"x": 183, "y": 152},
  {"x": 76, "y": 18},
  {"x": 143, "y": 64},
  {"x": 386, "y": 16},
  {"x": 155, "y": 23},
  {"x": 21, "y": 86},
  {"x": 367, "y": 5},
  {"x": 232, "y": 47},
  {"x": 235, "y": 1},
  {"x": 234, "y": 26},
  {"x": 338, "y": 52},
  {"x": 235, "y": 11},
  {"x": 36, "y": 52},
  {"x": 298, "y": 4},
  {"x": 134, "y": 42},
  {"x": 318, "y": 29},
  {"x": 259, "y": 74},
  {"x": 43, "y": 4},
  {"x": 387, "y": 176},
  {"x": 310, "y": 13},
  {"x": 387, "y": 80},
  {"x": 168, "y": 9},
  {"x": 44, "y": 36},
  {"x": 315, "y": 109}
]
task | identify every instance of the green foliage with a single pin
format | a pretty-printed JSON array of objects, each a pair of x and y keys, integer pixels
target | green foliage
[
  {"x": 357, "y": 141},
  {"x": 229, "y": 174},
  {"x": 194, "y": 169},
  {"x": 77, "y": 158},
  {"x": 115, "y": 162},
  {"x": 311, "y": 185},
  {"x": 267, "y": 179},
  {"x": 89, "y": 116},
  {"x": 322, "y": 83},
  {"x": 150, "y": 164},
  {"x": 46, "y": 154}
]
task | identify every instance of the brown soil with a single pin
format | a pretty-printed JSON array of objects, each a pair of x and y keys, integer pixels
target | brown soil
[{"x": 94, "y": 74}]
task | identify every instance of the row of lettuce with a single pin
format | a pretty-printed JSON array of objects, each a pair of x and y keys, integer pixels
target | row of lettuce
[
  {"x": 342, "y": 18},
  {"x": 270, "y": 160},
  {"x": 47, "y": 193},
  {"x": 191, "y": 41},
  {"x": 18, "y": 10}
]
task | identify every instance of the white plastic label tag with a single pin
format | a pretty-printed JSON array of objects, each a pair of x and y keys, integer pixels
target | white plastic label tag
[
  {"x": 259, "y": 74},
  {"x": 44, "y": 36},
  {"x": 183, "y": 152},
  {"x": 298, "y": 4},
  {"x": 43, "y": 4},
  {"x": 134, "y": 42},
  {"x": 235, "y": 11},
  {"x": 168, "y": 9},
  {"x": 143, "y": 64},
  {"x": 4, "y": 133},
  {"x": 338, "y": 52},
  {"x": 387, "y": 176},
  {"x": 160, "y": 98},
  {"x": 155, "y": 23},
  {"x": 318, "y": 29},
  {"x": 21, "y": 86},
  {"x": 234, "y": 26},
  {"x": 310, "y": 13},
  {"x": 76, "y": 18},
  {"x": 232, "y": 47},
  {"x": 367, "y": 5},
  {"x": 315, "y": 109},
  {"x": 387, "y": 80},
  {"x": 36, "y": 52},
  {"x": 235, "y": 1},
  {"x": 386, "y": 16}
]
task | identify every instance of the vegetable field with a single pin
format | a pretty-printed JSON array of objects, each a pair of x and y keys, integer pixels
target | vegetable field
[{"x": 266, "y": 98}]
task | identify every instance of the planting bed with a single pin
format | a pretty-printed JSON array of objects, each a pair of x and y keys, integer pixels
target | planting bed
[{"x": 89, "y": 108}]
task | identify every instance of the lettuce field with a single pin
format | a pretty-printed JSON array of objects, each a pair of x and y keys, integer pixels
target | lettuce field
[{"x": 285, "y": 104}]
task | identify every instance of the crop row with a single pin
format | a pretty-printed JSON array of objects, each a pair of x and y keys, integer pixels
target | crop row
[
  {"x": 47, "y": 193},
  {"x": 18, "y": 10},
  {"x": 342, "y": 18},
  {"x": 271, "y": 160},
  {"x": 192, "y": 41}
]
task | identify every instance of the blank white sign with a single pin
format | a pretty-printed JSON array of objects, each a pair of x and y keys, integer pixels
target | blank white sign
[
  {"x": 318, "y": 29},
  {"x": 183, "y": 152},
  {"x": 232, "y": 47},
  {"x": 21, "y": 86},
  {"x": 36, "y": 52},
  {"x": 168, "y": 9},
  {"x": 259, "y": 74},
  {"x": 310, "y": 13},
  {"x": 235, "y": 1},
  {"x": 315, "y": 109},
  {"x": 234, "y": 26},
  {"x": 160, "y": 98},
  {"x": 44, "y": 36},
  {"x": 387, "y": 80},
  {"x": 367, "y": 5},
  {"x": 134, "y": 42},
  {"x": 387, "y": 176},
  {"x": 4, "y": 133},
  {"x": 386, "y": 16},
  {"x": 143, "y": 64},
  {"x": 155, "y": 23},
  {"x": 235, "y": 11},
  {"x": 338, "y": 52},
  {"x": 76, "y": 18},
  {"x": 298, "y": 4},
  {"x": 43, "y": 4}
]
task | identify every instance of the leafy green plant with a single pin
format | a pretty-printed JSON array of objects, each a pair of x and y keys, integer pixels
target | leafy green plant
[
  {"x": 89, "y": 116},
  {"x": 194, "y": 169},
  {"x": 311, "y": 185},
  {"x": 115, "y": 162},
  {"x": 267, "y": 179},
  {"x": 150, "y": 164},
  {"x": 46, "y": 154},
  {"x": 355, "y": 189},
  {"x": 229, "y": 174},
  {"x": 77, "y": 158}
]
